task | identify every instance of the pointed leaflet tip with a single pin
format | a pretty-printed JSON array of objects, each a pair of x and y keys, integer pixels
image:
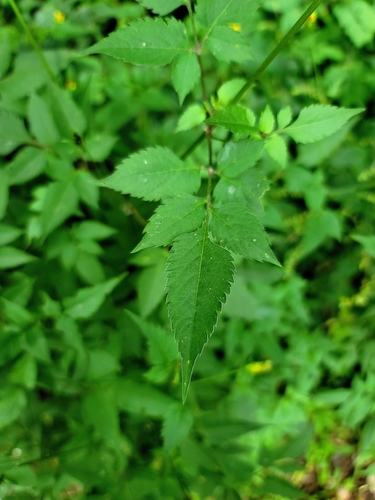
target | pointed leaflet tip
[{"x": 199, "y": 274}]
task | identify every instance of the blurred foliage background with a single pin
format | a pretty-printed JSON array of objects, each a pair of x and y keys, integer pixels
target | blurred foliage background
[{"x": 282, "y": 400}]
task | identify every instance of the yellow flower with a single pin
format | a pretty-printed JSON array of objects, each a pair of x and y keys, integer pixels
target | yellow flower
[
  {"x": 312, "y": 18},
  {"x": 235, "y": 26},
  {"x": 259, "y": 367},
  {"x": 69, "y": 84},
  {"x": 58, "y": 16}
]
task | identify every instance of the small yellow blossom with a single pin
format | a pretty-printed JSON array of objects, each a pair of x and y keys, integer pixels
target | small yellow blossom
[
  {"x": 58, "y": 16},
  {"x": 312, "y": 18},
  {"x": 69, "y": 84},
  {"x": 259, "y": 367},
  {"x": 235, "y": 26}
]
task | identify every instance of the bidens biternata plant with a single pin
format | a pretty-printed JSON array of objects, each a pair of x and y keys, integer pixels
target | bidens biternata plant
[{"x": 204, "y": 231}]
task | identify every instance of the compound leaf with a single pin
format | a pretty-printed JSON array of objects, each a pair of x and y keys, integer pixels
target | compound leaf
[
  {"x": 318, "y": 121},
  {"x": 199, "y": 274},
  {"x": 185, "y": 74},
  {"x": 151, "y": 42},
  {"x": 236, "y": 118},
  {"x": 277, "y": 150},
  {"x": 267, "y": 121},
  {"x": 236, "y": 229},
  {"x": 228, "y": 45},
  {"x": 161, "y": 7},
  {"x": 284, "y": 117},
  {"x": 223, "y": 12},
  {"x": 181, "y": 214},
  {"x": 153, "y": 174}
]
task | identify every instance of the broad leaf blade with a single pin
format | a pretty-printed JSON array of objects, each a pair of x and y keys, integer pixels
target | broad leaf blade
[
  {"x": 176, "y": 216},
  {"x": 12, "y": 132},
  {"x": 150, "y": 42},
  {"x": 277, "y": 150},
  {"x": 153, "y": 174},
  {"x": 211, "y": 13},
  {"x": 228, "y": 45},
  {"x": 199, "y": 274},
  {"x": 318, "y": 121},
  {"x": 185, "y": 74},
  {"x": 236, "y": 118},
  {"x": 239, "y": 231},
  {"x": 239, "y": 156}
]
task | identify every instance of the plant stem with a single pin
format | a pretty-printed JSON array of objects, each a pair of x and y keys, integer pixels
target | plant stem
[
  {"x": 32, "y": 40},
  {"x": 279, "y": 47},
  {"x": 256, "y": 75}
]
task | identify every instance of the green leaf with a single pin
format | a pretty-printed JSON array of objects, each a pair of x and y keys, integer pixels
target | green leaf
[
  {"x": 11, "y": 404},
  {"x": 222, "y": 12},
  {"x": 88, "y": 300},
  {"x": 151, "y": 286},
  {"x": 236, "y": 229},
  {"x": 228, "y": 91},
  {"x": 228, "y": 45},
  {"x": 42, "y": 124},
  {"x": 87, "y": 188},
  {"x": 67, "y": 115},
  {"x": 9, "y": 233},
  {"x": 357, "y": 19},
  {"x": 181, "y": 214},
  {"x": 199, "y": 274},
  {"x": 284, "y": 117},
  {"x": 185, "y": 74},
  {"x": 194, "y": 115},
  {"x": 13, "y": 257},
  {"x": 320, "y": 225},
  {"x": 12, "y": 132},
  {"x": 235, "y": 118},
  {"x": 318, "y": 121},
  {"x": 93, "y": 230},
  {"x": 27, "y": 164},
  {"x": 368, "y": 243},
  {"x": 4, "y": 193},
  {"x": 153, "y": 174},
  {"x": 24, "y": 372},
  {"x": 151, "y": 42},
  {"x": 278, "y": 486},
  {"x": 141, "y": 399},
  {"x": 237, "y": 157},
  {"x": 61, "y": 201},
  {"x": 267, "y": 121},
  {"x": 176, "y": 426},
  {"x": 277, "y": 150},
  {"x": 161, "y": 7}
]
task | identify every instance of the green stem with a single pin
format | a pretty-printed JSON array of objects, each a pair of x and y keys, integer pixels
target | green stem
[
  {"x": 256, "y": 75},
  {"x": 32, "y": 40}
]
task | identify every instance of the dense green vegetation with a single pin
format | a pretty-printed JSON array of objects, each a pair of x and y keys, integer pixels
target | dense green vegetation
[{"x": 281, "y": 400}]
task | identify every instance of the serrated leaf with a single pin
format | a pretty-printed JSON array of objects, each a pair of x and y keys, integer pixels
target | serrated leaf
[
  {"x": 199, "y": 274},
  {"x": 237, "y": 157},
  {"x": 161, "y": 7},
  {"x": 154, "y": 174},
  {"x": 236, "y": 229},
  {"x": 176, "y": 426},
  {"x": 41, "y": 121},
  {"x": 277, "y": 150},
  {"x": 284, "y": 117},
  {"x": 12, "y": 132},
  {"x": 88, "y": 300},
  {"x": 194, "y": 115},
  {"x": 228, "y": 45},
  {"x": 29, "y": 163},
  {"x": 181, "y": 214},
  {"x": 318, "y": 121},
  {"x": 357, "y": 19},
  {"x": 267, "y": 121},
  {"x": 185, "y": 74},
  {"x": 246, "y": 189},
  {"x": 151, "y": 42},
  {"x": 236, "y": 119},
  {"x": 223, "y": 12}
]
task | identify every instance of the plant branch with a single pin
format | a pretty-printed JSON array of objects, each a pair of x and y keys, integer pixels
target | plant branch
[
  {"x": 258, "y": 72},
  {"x": 32, "y": 40}
]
